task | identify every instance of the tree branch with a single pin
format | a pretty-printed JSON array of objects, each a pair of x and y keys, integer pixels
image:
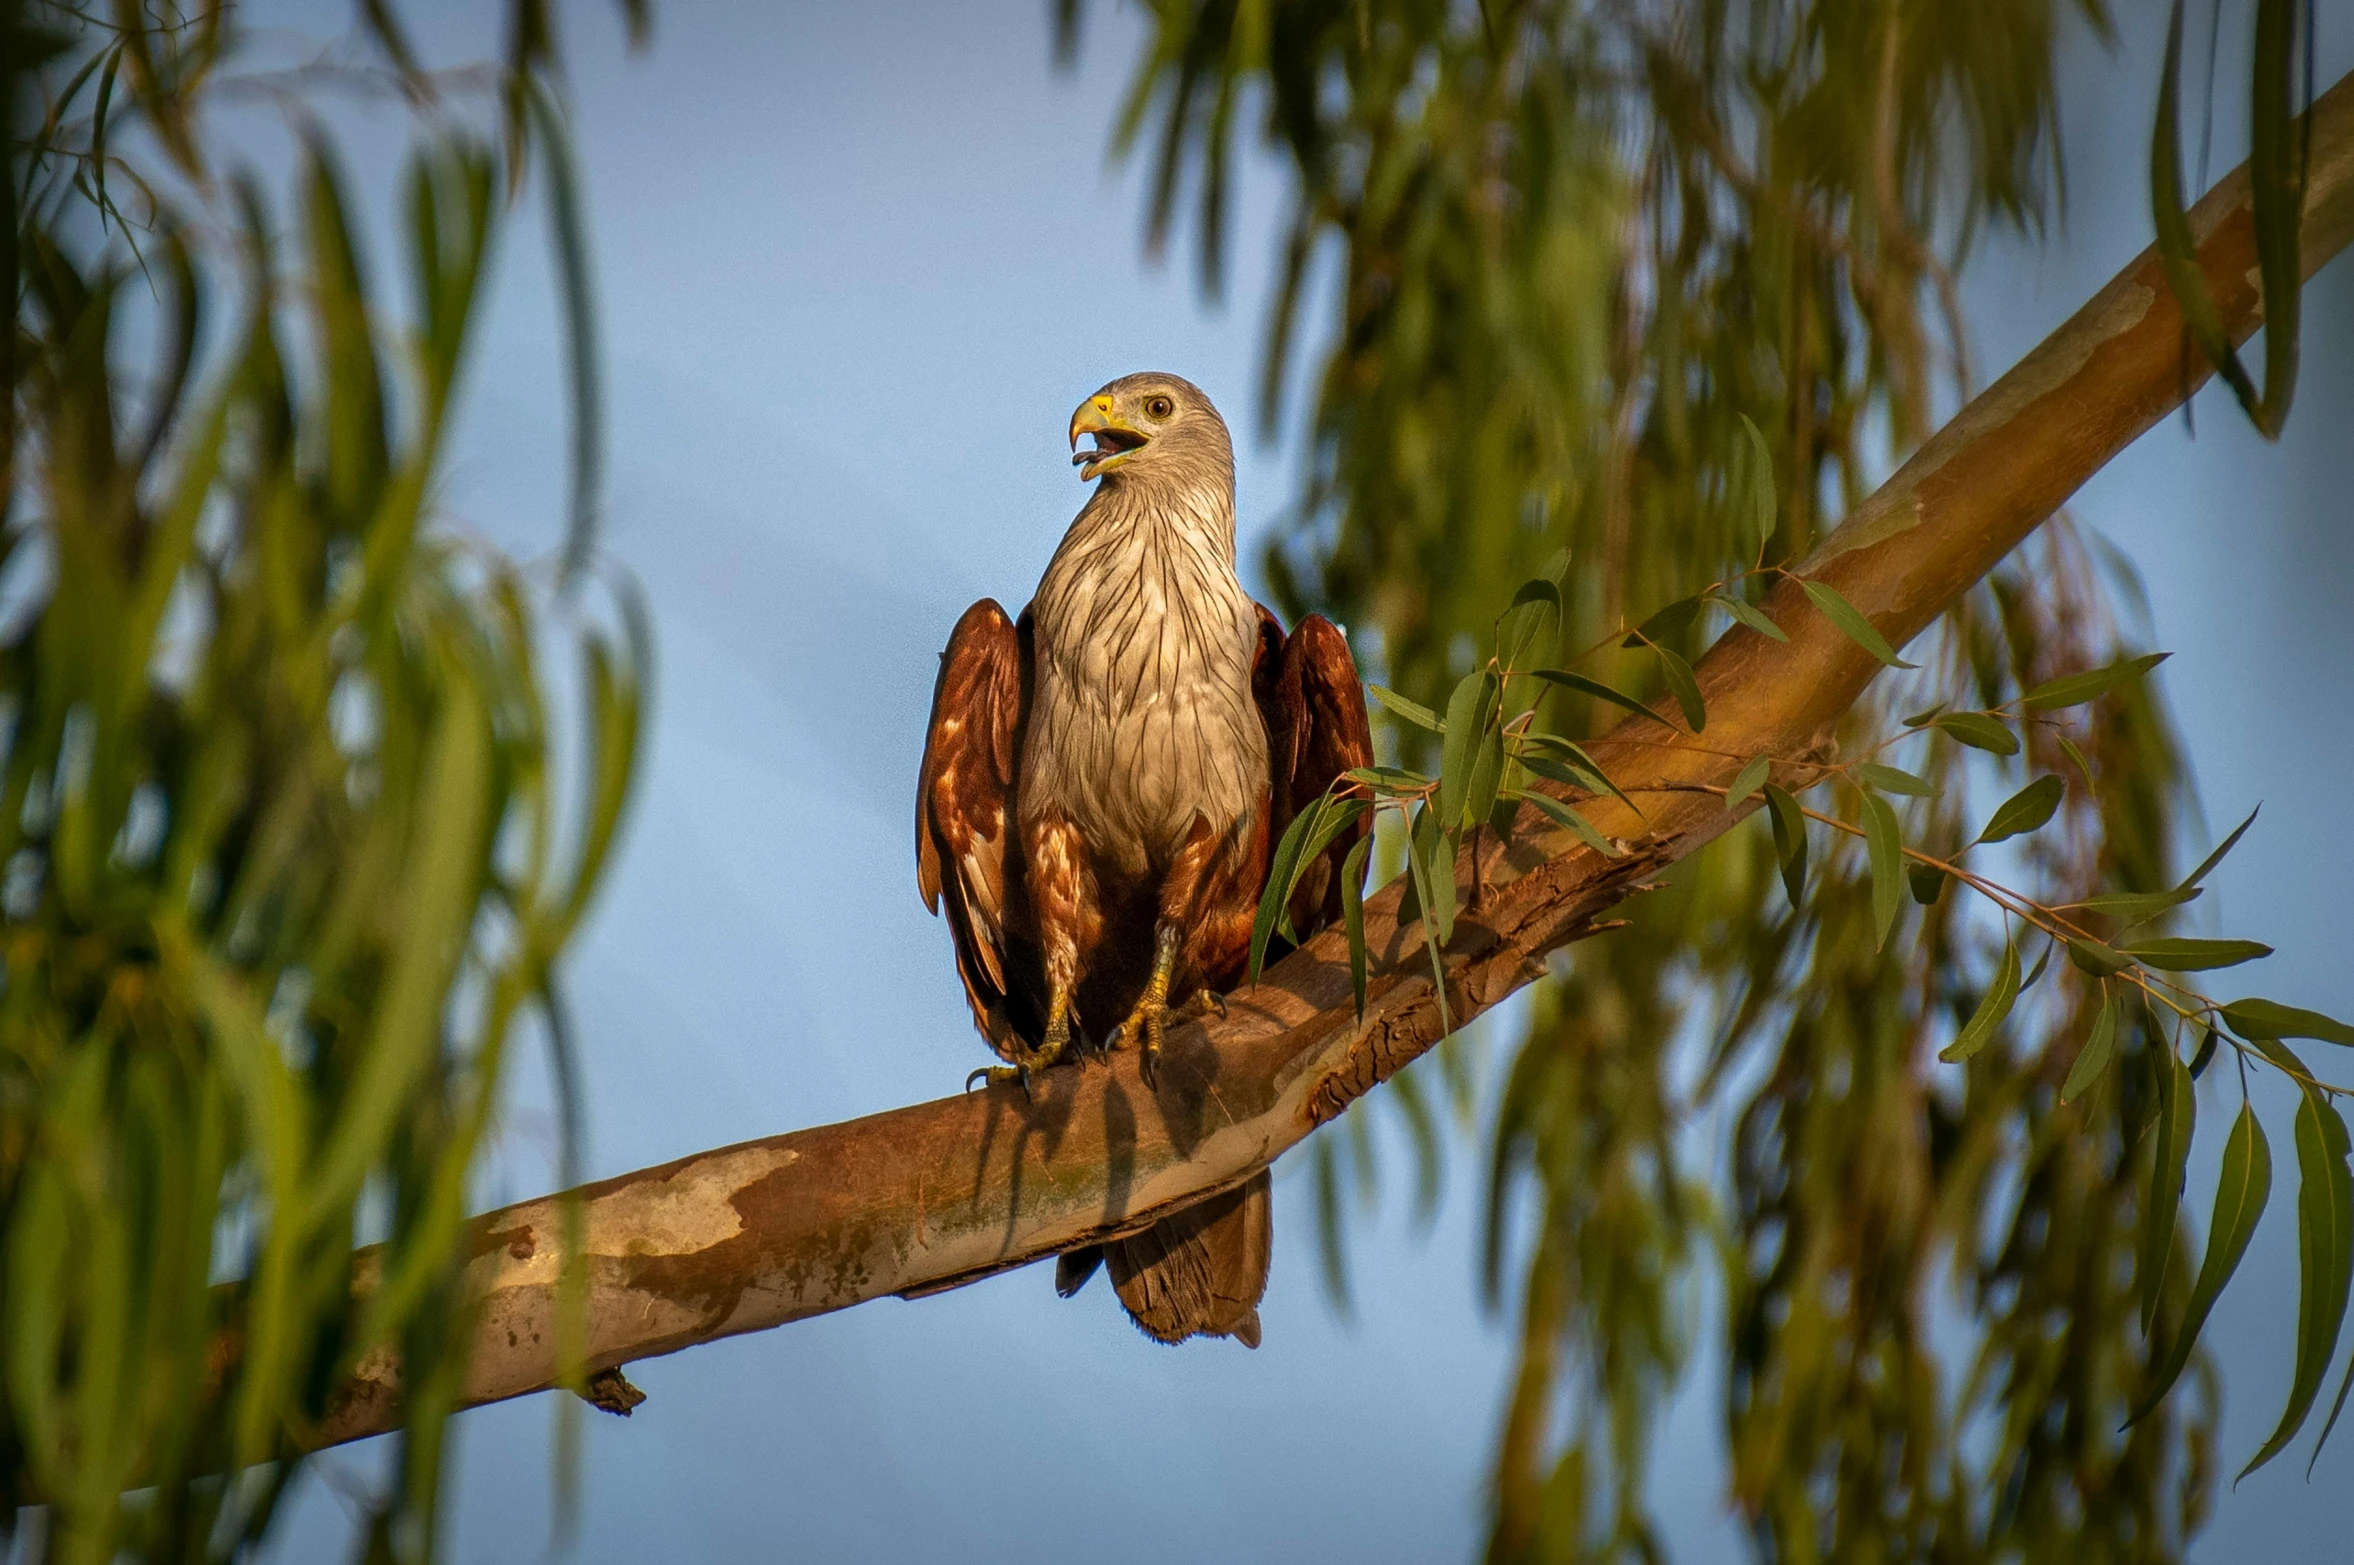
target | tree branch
[{"x": 933, "y": 1196}]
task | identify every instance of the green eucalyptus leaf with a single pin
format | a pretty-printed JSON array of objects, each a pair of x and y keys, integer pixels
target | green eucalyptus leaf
[
  {"x": 1851, "y": 622},
  {"x": 2025, "y": 810},
  {"x": 1750, "y": 615},
  {"x": 2325, "y": 1260},
  {"x": 1562, "y": 815},
  {"x": 2077, "y": 758},
  {"x": 2178, "y": 954},
  {"x": 1677, "y": 674},
  {"x": 1978, "y": 731},
  {"x": 1755, "y": 496},
  {"x": 1487, "y": 775},
  {"x": 2204, "y": 1054},
  {"x": 2129, "y": 908},
  {"x": 2178, "y": 1107},
  {"x": 1666, "y": 624},
  {"x": 1352, "y": 914},
  {"x": 1789, "y": 840},
  {"x": 1884, "y": 843},
  {"x": 1282, "y": 874},
  {"x": 2093, "y": 1059},
  {"x": 1529, "y": 629},
  {"x": 1748, "y": 779},
  {"x": 2076, "y": 689},
  {"x": 2098, "y": 959},
  {"x": 1433, "y": 849},
  {"x": 2035, "y": 973},
  {"x": 2207, "y": 864},
  {"x": 1570, "y": 679},
  {"x": 1993, "y": 1008},
  {"x": 2241, "y": 1189},
  {"x": 1891, "y": 779},
  {"x": 1389, "y": 779},
  {"x": 1583, "y": 770},
  {"x": 1468, "y": 712},
  {"x": 1412, "y": 711},
  {"x": 2254, "y": 1018}
]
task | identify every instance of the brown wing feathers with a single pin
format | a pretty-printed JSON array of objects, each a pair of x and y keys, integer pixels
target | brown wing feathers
[
  {"x": 1316, "y": 730},
  {"x": 965, "y": 809}
]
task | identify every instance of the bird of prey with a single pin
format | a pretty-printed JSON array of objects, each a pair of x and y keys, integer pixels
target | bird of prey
[{"x": 1102, "y": 783}]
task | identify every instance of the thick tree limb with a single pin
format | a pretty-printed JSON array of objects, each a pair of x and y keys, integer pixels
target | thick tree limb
[{"x": 933, "y": 1196}]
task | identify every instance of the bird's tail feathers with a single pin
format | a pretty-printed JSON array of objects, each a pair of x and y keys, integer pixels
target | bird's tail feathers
[{"x": 1200, "y": 1272}]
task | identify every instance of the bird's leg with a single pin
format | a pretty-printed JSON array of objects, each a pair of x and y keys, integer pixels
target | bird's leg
[
  {"x": 1050, "y": 1048},
  {"x": 1070, "y": 921},
  {"x": 1148, "y": 1022}
]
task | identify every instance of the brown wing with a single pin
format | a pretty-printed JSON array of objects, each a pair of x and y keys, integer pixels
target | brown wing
[
  {"x": 964, "y": 811},
  {"x": 1314, "y": 708}
]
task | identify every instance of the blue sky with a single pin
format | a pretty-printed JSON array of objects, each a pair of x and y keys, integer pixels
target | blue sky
[{"x": 857, "y": 264}]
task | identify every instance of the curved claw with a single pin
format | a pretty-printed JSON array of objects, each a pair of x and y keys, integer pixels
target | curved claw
[
  {"x": 1205, "y": 1001},
  {"x": 1150, "y": 1020},
  {"x": 998, "y": 1076}
]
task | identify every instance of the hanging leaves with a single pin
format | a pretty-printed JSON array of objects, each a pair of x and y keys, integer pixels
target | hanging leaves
[
  {"x": 2178, "y": 1108},
  {"x": 2093, "y": 1059},
  {"x": 2276, "y": 177},
  {"x": 1352, "y": 912},
  {"x": 1748, "y": 780},
  {"x": 2241, "y": 1189},
  {"x": 2325, "y": 1260},
  {"x": 1753, "y": 488},
  {"x": 1677, "y": 675},
  {"x": 1789, "y": 841},
  {"x": 1994, "y": 1007},
  {"x": 1884, "y": 840}
]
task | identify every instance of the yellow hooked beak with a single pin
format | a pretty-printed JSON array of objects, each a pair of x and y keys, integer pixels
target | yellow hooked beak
[{"x": 1114, "y": 437}]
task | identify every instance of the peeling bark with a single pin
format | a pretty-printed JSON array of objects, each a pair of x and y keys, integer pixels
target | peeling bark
[{"x": 933, "y": 1196}]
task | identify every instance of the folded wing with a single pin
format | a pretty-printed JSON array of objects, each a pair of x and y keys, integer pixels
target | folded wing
[
  {"x": 965, "y": 814},
  {"x": 1314, "y": 707}
]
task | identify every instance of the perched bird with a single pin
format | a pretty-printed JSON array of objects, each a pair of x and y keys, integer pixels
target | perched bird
[{"x": 1102, "y": 784}]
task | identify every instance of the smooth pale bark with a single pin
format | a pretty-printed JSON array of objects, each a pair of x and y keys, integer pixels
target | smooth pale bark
[{"x": 936, "y": 1195}]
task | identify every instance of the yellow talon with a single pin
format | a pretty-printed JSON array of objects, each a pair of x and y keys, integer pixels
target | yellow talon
[
  {"x": 1151, "y": 1015},
  {"x": 1050, "y": 1049}
]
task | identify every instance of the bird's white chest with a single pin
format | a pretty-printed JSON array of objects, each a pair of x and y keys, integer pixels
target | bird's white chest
[{"x": 1141, "y": 715}]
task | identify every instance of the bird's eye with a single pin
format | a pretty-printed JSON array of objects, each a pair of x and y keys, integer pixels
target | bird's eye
[{"x": 1159, "y": 407}]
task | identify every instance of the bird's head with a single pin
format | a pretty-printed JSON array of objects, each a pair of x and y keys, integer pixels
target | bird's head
[{"x": 1152, "y": 426}]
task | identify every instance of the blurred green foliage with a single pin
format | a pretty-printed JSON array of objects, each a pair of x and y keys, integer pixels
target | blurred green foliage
[
  {"x": 287, "y": 858},
  {"x": 1580, "y": 256}
]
